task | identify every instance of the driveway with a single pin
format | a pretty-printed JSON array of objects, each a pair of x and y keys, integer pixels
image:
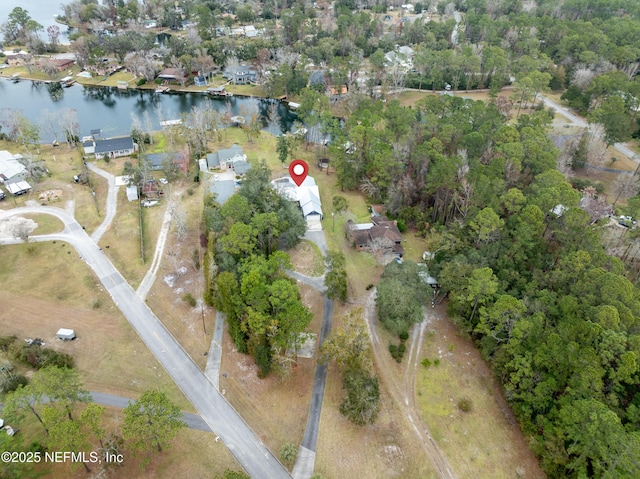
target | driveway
[
  {"x": 241, "y": 441},
  {"x": 580, "y": 122},
  {"x": 305, "y": 462}
]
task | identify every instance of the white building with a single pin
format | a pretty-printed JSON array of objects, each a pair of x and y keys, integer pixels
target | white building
[
  {"x": 307, "y": 195},
  {"x": 10, "y": 166}
]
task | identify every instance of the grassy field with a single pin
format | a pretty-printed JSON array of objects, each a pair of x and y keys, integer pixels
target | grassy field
[{"x": 485, "y": 442}]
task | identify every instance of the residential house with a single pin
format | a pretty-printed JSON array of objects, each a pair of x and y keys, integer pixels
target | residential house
[
  {"x": 111, "y": 148},
  {"x": 229, "y": 158},
  {"x": 362, "y": 235},
  {"x": 169, "y": 74},
  {"x": 401, "y": 57},
  {"x": 241, "y": 75},
  {"x": 157, "y": 160},
  {"x": 200, "y": 80},
  {"x": 307, "y": 195},
  {"x": 10, "y": 166}
]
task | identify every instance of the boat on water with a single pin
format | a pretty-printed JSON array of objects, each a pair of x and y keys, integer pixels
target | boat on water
[
  {"x": 67, "y": 81},
  {"x": 218, "y": 91},
  {"x": 15, "y": 78}
]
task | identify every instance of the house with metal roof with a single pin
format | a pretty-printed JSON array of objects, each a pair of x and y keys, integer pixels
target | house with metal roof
[{"x": 10, "y": 166}]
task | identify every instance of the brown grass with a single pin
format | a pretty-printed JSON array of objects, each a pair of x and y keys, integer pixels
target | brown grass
[{"x": 36, "y": 303}]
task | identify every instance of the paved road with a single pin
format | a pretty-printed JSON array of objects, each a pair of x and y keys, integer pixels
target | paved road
[
  {"x": 112, "y": 202},
  {"x": 305, "y": 462},
  {"x": 580, "y": 122},
  {"x": 241, "y": 441}
]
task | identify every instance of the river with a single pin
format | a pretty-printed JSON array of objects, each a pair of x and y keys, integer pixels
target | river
[{"x": 112, "y": 110}]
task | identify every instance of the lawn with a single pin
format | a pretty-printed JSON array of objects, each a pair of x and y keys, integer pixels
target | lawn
[{"x": 44, "y": 303}]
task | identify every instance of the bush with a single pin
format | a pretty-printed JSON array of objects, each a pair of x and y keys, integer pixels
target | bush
[
  {"x": 12, "y": 383},
  {"x": 436, "y": 362},
  {"x": 39, "y": 357},
  {"x": 157, "y": 81},
  {"x": 402, "y": 348},
  {"x": 393, "y": 348},
  {"x": 141, "y": 82},
  {"x": 404, "y": 335},
  {"x": 465, "y": 405},
  {"x": 262, "y": 356},
  {"x": 188, "y": 298},
  {"x": 369, "y": 286},
  {"x": 288, "y": 454},
  {"x": 426, "y": 362},
  {"x": 7, "y": 341}
]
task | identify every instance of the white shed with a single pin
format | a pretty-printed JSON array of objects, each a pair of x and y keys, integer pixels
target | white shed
[{"x": 66, "y": 334}]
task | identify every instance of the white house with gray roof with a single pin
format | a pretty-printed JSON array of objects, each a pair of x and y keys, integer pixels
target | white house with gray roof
[
  {"x": 111, "y": 148},
  {"x": 229, "y": 159}
]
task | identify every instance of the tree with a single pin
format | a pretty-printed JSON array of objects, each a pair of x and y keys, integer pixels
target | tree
[
  {"x": 335, "y": 280},
  {"x": 151, "y": 422},
  {"x": 62, "y": 386},
  {"x": 53, "y": 32},
  {"x": 282, "y": 148},
  {"x": 401, "y": 294},
  {"x": 362, "y": 403},
  {"x": 65, "y": 434},
  {"x": 340, "y": 204},
  {"x": 349, "y": 346}
]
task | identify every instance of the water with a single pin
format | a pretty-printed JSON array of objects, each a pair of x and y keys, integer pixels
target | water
[{"x": 112, "y": 110}]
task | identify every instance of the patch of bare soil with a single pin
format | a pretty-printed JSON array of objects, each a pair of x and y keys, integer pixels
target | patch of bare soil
[{"x": 307, "y": 259}]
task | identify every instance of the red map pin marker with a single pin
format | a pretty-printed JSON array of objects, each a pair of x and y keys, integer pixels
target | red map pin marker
[{"x": 298, "y": 170}]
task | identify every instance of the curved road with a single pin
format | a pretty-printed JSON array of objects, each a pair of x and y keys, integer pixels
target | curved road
[
  {"x": 241, "y": 441},
  {"x": 580, "y": 122}
]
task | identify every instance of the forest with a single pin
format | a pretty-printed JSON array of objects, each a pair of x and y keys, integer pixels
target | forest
[{"x": 523, "y": 265}]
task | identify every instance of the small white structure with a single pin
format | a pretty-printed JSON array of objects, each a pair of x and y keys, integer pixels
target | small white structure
[
  {"x": 10, "y": 165},
  {"x": 66, "y": 334},
  {"x": 18, "y": 188},
  {"x": 132, "y": 193}
]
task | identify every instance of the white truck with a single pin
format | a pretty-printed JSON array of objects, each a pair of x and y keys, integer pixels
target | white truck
[{"x": 66, "y": 334}]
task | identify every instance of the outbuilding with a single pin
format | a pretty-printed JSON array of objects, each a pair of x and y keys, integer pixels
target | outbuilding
[{"x": 66, "y": 334}]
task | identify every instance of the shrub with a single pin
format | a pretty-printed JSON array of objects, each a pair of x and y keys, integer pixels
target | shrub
[
  {"x": 436, "y": 362},
  {"x": 404, "y": 335},
  {"x": 402, "y": 348},
  {"x": 288, "y": 454},
  {"x": 369, "y": 286},
  {"x": 262, "y": 356},
  {"x": 465, "y": 405},
  {"x": 141, "y": 82},
  {"x": 426, "y": 362},
  {"x": 12, "y": 382},
  {"x": 393, "y": 348},
  {"x": 157, "y": 81},
  {"x": 188, "y": 298},
  {"x": 7, "y": 341}
]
